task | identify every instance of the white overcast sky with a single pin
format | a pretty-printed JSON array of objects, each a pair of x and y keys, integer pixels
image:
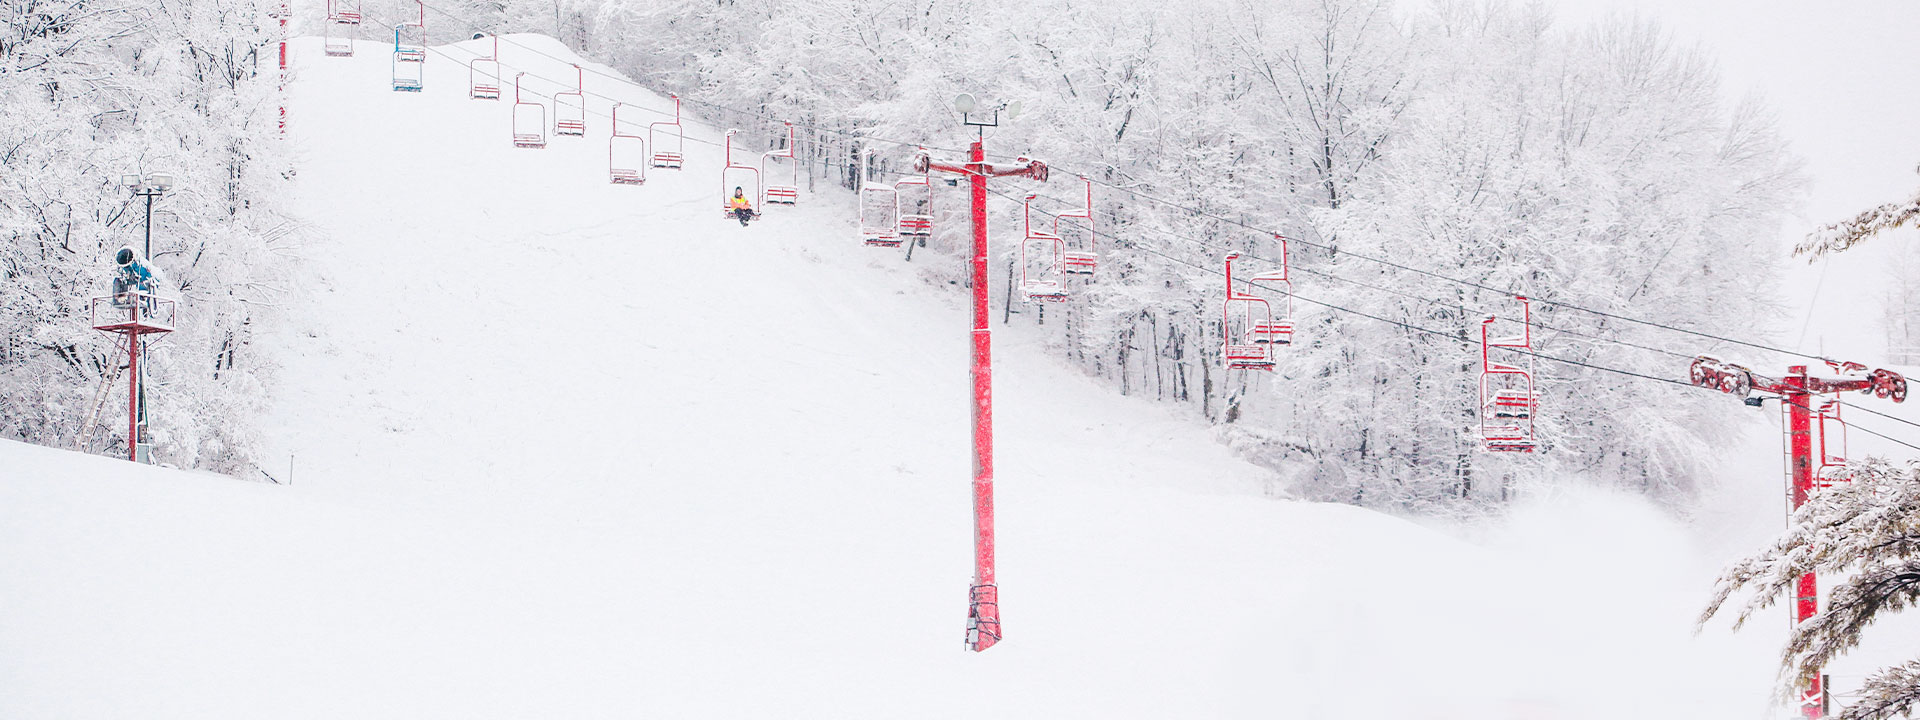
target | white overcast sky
[{"x": 1844, "y": 78}]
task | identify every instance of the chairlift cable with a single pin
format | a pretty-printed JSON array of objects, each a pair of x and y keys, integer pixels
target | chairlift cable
[
  {"x": 1235, "y": 223},
  {"x": 1152, "y": 251},
  {"x": 1871, "y": 411},
  {"x": 1852, "y": 426},
  {"x": 1468, "y": 341},
  {"x": 1429, "y": 273},
  {"x": 697, "y": 101},
  {"x": 1464, "y": 310},
  {"x": 505, "y": 68},
  {"x": 1178, "y": 206}
]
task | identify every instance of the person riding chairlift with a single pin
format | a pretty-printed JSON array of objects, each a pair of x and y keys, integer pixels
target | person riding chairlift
[{"x": 741, "y": 206}]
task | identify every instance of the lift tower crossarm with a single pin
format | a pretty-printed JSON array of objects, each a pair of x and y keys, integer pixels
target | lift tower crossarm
[{"x": 1025, "y": 167}]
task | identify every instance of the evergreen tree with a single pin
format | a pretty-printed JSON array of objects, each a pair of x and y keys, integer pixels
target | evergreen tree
[
  {"x": 1863, "y": 536},
  {"x": 1847, "y": 233}
]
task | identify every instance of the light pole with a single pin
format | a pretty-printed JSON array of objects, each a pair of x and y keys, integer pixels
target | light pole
[
  {"x": 983, "y": 611},
  {"x": 966, "y": 105},
  {"x": 152, "y": 186}
]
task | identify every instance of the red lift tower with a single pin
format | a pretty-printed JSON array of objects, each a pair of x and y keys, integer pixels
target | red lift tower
[
  {"x": 983, "y": 611},
  {"x": 134, "y": 314},
  {"x": 280, "y": 13},
  {"x": 1796, "y": 392}
]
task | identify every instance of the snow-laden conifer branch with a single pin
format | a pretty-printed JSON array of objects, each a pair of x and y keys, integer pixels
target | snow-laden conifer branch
[
  {"x": 1848, "y": 233},
  {"x": 1864, "y": 537},
  {"x": 1892, "y": 692}
]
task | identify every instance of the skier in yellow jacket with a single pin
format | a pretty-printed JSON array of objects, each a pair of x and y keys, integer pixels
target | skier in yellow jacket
[{"x": 742, "y": 207}]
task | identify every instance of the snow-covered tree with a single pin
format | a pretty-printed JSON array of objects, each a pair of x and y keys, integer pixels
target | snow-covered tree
[
  {"x": 1901, "y": 318},
  {"x": 1592, "y": 166},
  {"x": 93, "y": 90},
  {"x": 1864, "y": 537}
]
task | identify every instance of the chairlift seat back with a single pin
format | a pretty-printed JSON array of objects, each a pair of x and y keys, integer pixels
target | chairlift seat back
[
  {"x": 916, "y": 225},
  {"x": 1275, "y": 332},
  {"x": 1079, "y": 262}
]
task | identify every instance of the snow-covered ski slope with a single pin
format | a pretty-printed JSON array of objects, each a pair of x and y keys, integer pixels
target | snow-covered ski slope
[{"x": 564, "y": 449}]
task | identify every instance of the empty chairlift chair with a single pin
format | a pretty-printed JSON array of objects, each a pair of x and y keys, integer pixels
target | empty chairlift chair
[
  {"x": 1833, "y": 447},
  {"x": 570, "y": 107},
  {"x": 663, "y": 156},
  {"x": 1041, "y": 279},
  {"x": 1078, "y": 257},
  {"x": 342, "y": 17},
  {"x": 1507, "y": 391},
  {"x": 483, "y": 74},
  {"x": 879, "y": 207},
  {"x": 913, "y": 198},
  {"x": 529, "y": 119},
  {"x": 745, "y": 177},
  {"x": 1249, "y": 329},
  {"x": 1278, "y": 330},
  {"x": 626, "y": 155},
  {"x": 410, "y": 54},
  {"x": 787, "y": 193}
]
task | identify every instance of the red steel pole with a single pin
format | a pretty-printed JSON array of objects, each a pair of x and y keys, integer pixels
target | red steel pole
[
  {"x": 1800, "y": 479},
  {"x": 283, "y": 68},
  {"x": 133, "y": 392},
  {"x": 983, "y": 616},
  {"x": 983, "y": 610}
]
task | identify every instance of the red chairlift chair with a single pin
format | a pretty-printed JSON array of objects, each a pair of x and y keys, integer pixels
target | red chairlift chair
[
  {"x": 730, "y": 178},
  {"x": 483, "y": 74},
  {"x": 789, "y": 193},
  {"x": 529, "y": 120},
  {"x": 338, "y": 34},
  {"x": 879, "y": 213},
  {"x": 626, "y": 155},
  {"x": 570, "y": 107},
  {"x": 1250, "y": 335},
  {"x": 1041, "y": 279},
  {"x": 913, "y": 200},
  {"x": 1078, "y": 262},
  {"x": 1833, "y": 452},
  {"x": 669, "y": 159},
  {"x": 1507, "y": 399}
]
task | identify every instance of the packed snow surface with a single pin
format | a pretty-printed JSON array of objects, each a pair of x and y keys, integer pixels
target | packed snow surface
[{"x": 564, "y": 449}]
